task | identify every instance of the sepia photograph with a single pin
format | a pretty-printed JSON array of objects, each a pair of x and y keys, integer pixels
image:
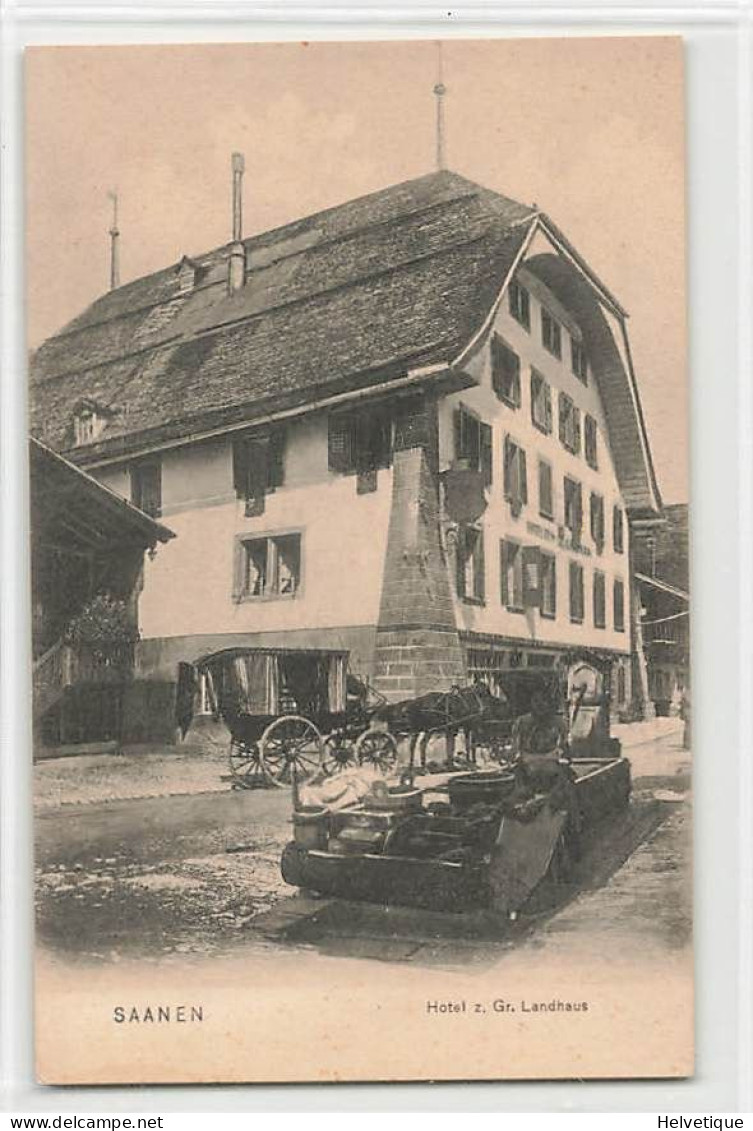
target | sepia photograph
[{"x": 358, "y": 447}]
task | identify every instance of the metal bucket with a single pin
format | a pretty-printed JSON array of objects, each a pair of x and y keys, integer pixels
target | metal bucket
[
  {"x": 310, "y": 826},
  {"x": 487, "y": 788}
]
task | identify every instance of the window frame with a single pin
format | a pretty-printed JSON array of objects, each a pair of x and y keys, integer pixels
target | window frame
[
  {"x": 566, "y": 402},
  {"x": 548, "y": 424},
  {"x": 573, "y": 566},
  {"x": 504, "y": 546},
  {"x": 597, "y": 498},
  {"x": 137, "y": 470},
  {"x": 618, "y": 543},
  {"x": 516, "y": 292},
  {"x": 479, "y": 571},
  {"x": 272, "y": 560},
  {"x": 545, "y": 514},
  {"x": 545, "y": 555},
  {"x": 498, "y": 347},
  {"x": 577, "y": 535},
  {"x": 600, "y": 620},
  {"x": 553, "y": 346},
  {"x": 590, "y": 426},
  {"x": 618, "y": 585},
  {"x": 578, "y": 359},
  {"x": 519, "y": 453}
]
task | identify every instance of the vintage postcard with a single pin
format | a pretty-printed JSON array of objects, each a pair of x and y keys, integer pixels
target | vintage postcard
[{"x": 362, "y": 702}]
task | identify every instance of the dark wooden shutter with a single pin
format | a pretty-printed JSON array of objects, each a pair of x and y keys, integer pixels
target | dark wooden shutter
[
  {"x": 461, "y": 550},
  {"x": 563, "y": 418},
  {"x": 411, "y": 424},
  {"x": 341, "y": 442},
  {"x": 479, "y": 568},
  {"x": 507, "y": 467},
  {"x": 523, "y": 475},
  {"x": 486, "y": 454},
  {"x": 576, "y": 429},
  {"x": 504, "y": 594},
  {"x": 548, "y": 406},
  {"x": 457, "y": 431},
  {"x": 257, "y": 460},
  {"x": 240, "y": 466},
  {"x": 276, "y": 464},
  {"x": 531, "y": 577}
]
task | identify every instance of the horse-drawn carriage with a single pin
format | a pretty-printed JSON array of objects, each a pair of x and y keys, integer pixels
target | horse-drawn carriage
[{"x": 294, "y": 713}]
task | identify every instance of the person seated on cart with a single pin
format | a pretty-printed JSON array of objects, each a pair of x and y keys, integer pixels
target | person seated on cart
[{"x": 541, "y": 755}]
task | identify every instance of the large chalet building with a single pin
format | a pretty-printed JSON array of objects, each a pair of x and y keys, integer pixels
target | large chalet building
[{"x": 407, "y": 427}]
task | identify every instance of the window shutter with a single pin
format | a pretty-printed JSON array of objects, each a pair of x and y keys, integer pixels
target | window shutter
[
  {"x": 340, "y": 450},
  {"x": 240, "y": 467},
  {"x": 479, "y": 568},
  {"x": 486, "y": 454},
  {"x": 548, "y": 407},
  {"x": 563, "y": 418},
  {"x": 576, "y": 428},
  {"x": 460, "y": 552},
  {"x": 457, "y": 429},
  {"x": 257, "y": 462},
  {"x": 503, "y": 584},
  {"x": 523, "y": 476},
  {"x": 531, "y": 577},
  {"x": 239, "y": 569},
  {"x": 276, "y": 465}
]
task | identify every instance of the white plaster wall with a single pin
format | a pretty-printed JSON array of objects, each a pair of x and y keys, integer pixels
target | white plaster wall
[
  {"x": 188, "y": 587},
  {"x": 498, "y": 521}
]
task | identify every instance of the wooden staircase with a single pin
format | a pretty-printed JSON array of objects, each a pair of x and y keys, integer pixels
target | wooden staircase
[{"x": 52, "y": 672}]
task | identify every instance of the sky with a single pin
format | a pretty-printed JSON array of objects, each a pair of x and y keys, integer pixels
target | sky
[{"x": 592, "y": 130}]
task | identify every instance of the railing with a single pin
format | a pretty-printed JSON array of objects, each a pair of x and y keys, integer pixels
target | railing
[{"x": 51, "y": 674}]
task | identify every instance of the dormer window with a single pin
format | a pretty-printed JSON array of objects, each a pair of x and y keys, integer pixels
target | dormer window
[
  {"x": 88, "y": 423},
  {"x": 188, "y": 273}
]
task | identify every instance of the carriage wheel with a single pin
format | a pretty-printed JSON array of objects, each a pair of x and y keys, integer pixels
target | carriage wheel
[
  {"x": 290, "y": 741},
  {"x": 245, "y": 765},
  {"x": 377, "y": 748},
  {"x": 339, "y": 753}
]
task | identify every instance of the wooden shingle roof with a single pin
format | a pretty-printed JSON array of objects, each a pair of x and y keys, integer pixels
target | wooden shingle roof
[
  {"x": 341, "y": 300},
  {"x": 349, "y": 299}
]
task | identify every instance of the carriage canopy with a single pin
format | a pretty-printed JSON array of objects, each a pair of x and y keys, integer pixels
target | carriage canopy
[{"x": 276, "y": 681}]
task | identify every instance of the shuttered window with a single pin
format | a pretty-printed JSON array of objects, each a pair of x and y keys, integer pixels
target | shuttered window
[
  {"x": 619, "y": 606},
  {"x": 569, "y": 424},
  {"x": 473, "y": 443},
  {"x": 505, "y": 372},
  {"x": 590, "y": 442},
  {"x": 548, "y": 583},
  {"x": 146, "y": 486},
  {"x": 597, "y": 521},
  {"x": 576, "y": 593},
  {"x": 471, "y": 568},
  {"x": 511, "y": 575},
  {"x": 520, "y": 305},
  {"x": 546, "y": 490},
  {"x": 360, "y": 443},
  {"x": 600, "y": 600},
  {"x": 573, "y": 508},
  {"x": 579, "y": 360},
  {"x": 551, "y": 333},
  {"x": 541, "y": 402},
  {"x": 618, "y": 530},
  {"x": 515, "y": 477}
]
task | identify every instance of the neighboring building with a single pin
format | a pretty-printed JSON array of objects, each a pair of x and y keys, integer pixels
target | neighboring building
[
  {"x": 407, "y": 426},
  {"x": 85, "y": 541},
  {"x": 661, "y": 556}
]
